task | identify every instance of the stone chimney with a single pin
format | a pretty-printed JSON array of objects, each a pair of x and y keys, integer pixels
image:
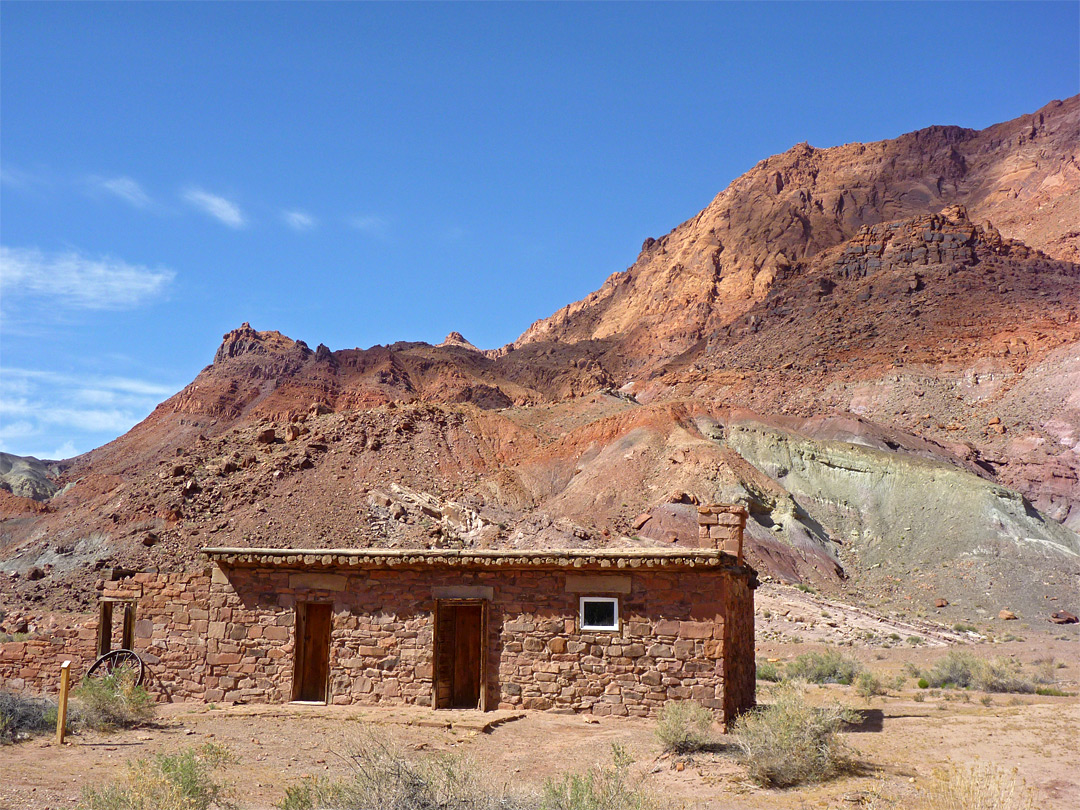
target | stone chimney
[{"x": 720, "y": 526}]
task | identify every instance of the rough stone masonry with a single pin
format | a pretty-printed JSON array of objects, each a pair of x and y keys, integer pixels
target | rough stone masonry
[{"x": 683, "y": 626}]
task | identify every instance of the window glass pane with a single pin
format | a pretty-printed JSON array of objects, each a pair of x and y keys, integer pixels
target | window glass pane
[{"x": 599, "y": 614}]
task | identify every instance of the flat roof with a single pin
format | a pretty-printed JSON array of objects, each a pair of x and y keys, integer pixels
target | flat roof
[{"x": 440, "y": 557}]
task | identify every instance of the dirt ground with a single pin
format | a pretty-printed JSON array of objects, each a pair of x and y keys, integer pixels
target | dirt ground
[{"x": 904, "y": 736}]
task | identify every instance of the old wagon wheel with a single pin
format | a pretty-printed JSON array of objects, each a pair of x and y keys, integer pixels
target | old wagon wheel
[{"x": 124, "y": 663}]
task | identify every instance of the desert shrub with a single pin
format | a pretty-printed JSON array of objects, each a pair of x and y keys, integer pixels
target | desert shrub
[
  {"x": 964, "y": 670},
  {"x": 961, "y": 627},
  {"x": 1002, "y": 675},
  {"x": 602, "y": 788},
  {"x": 867, "y": 685},
  {"x": 768, "y": 671},
  {"x": 824, "y": 667},
  {"x": 923, "y": 683},
  {"x": 383, "y": 778},
  {"x": 111, "y": 702},
  {"x": 22, "y": 715},
  {"x": 955, "y": 669},
  {"x": 184, "y": 780},
  {"x": 790, "y": 742},
  {"x": 1044, "y": 670},
  {"x": 977, "y": 787},
  {"x": 683, "y": 726}
]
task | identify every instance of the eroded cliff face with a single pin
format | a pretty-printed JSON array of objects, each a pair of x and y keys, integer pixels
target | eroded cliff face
[{"x": 790, "y": 207}]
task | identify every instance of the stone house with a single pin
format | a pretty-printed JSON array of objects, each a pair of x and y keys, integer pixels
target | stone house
[{"x": 604, "y": 631}]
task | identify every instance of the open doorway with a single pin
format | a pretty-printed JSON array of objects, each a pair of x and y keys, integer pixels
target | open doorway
[
  {"x": 311, "y": 676},
  {"x": 106, "y": 611},
  {"x": 460, "y": 654}
]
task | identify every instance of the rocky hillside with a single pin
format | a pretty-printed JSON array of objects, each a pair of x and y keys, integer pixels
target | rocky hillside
[
  {"x": 1023, "y": 175},
  {"x": 841, "y": 341}
]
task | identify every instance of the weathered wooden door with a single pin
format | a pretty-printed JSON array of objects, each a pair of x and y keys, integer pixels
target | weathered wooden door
[
  {"x": 460, "y": 655},
  {"x": 466, "y": 690},
  {"x": 312, "y": 649}
]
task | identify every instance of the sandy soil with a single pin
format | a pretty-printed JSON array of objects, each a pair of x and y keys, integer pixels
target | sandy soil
[{"x": 901, "y": 741}]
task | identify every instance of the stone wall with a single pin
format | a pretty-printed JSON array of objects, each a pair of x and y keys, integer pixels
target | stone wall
[
  {"x": 170, "y": 637},
  {"x": 228, "y": 634},
  {"x": 670, "y": 644},
  {"x": 33, "y": 665}
]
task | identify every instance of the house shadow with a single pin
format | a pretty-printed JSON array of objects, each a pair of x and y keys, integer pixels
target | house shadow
[{"x": 868, "y": 720}]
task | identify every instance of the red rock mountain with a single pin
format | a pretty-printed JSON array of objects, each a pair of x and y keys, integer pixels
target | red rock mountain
[
  {"x": 875, "y": 347},
  {"x": 1023, "y": 175}
]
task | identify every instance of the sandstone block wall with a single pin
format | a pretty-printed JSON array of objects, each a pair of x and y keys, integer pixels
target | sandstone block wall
[
  {"x": 229, "y": 634},
  {"x": 669, "y": 646},
  {"x": 170, "y": 630},
  {"x": 34, "y": 665}
]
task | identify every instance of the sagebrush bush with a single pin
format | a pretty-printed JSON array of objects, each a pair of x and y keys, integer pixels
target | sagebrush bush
[
  {"x": 768, "y": 671},
  {"x": 830, "y": 666},
  {"x": 957, "y": 668},
  {"x": 867, "y": 685},
  {"x": 1002, "y": 675},
  {"x": 976, "y": 787},
  {"x": 683, "y": 726},
  {"x": 111, "y": 702},
  {"x": 184, "y": 780},
  {"x": 602, "y": 788},
  {"x": 1045, "y": 669},
  {"x": 24, "y": 715},
  {"x": 789, "y": 742},
  {"x": 964, "y": 670},
  {"x": 384, "y": 779}
]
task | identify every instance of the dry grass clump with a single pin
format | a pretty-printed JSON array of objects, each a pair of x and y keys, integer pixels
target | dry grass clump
[
  {"x": 683, "y": 726},
  {"x": 110, "y": 703},
  {"x": 184, "y": 780},
  {"x": 384, "y": 779},
  {"x": 22, "y": 715},
  {"x": 975, "y": 787},
  {"x": 830, "y": 666},
  {"x": 602, "y": 788},
  {"x": 790, "y": 742}
]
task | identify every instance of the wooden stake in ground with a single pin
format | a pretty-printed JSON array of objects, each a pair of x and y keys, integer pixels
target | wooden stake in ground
[{"x": 61, "y": 710}]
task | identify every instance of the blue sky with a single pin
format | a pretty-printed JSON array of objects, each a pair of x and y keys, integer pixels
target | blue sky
[{"x": 355, "y": 174}]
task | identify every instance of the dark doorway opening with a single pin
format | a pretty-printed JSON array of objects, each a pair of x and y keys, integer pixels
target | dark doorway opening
[
  {"x": 460, "y": 654},
  {"x": 105, "y": 625},
  {"x": 311, "y": 676}
]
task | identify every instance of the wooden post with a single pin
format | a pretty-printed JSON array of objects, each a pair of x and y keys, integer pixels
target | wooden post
[
  {"x": 129, "y": 625},
  {"x": 61, "y": 711}
]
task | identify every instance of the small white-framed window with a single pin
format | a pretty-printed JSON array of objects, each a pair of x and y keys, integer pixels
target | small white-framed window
[{"x": 599, "y": 613}]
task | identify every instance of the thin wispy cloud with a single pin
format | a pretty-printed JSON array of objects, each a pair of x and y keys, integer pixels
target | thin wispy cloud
[
  {"x": 124, "y": 188},
  {"x": 72, "y": 280},
  {"x": 224, "y": 211},
  {"x": 298, "y": 220},
  {"x": 371, "y": 225},
  {"x": 14, "y": 177},
  {"x": 41, "y": 410}
]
